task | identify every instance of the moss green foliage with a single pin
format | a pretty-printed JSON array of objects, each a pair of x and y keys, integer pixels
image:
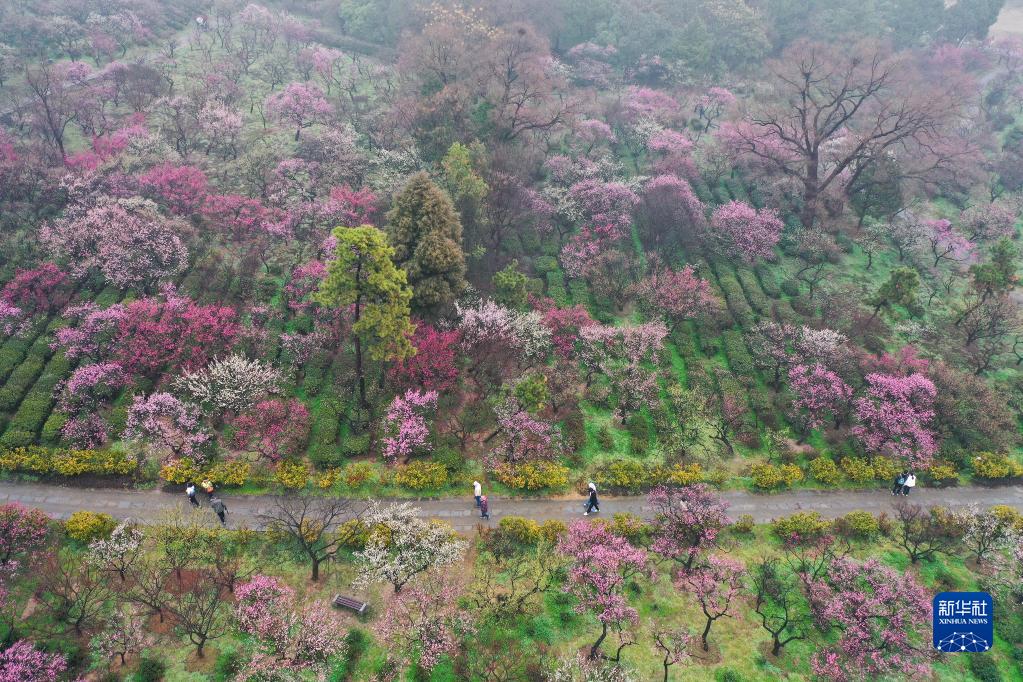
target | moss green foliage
[
  {"x": 532, "y": 392},
  {"x": 510, "y": 286},
  {"x": 426, "y": 234}
]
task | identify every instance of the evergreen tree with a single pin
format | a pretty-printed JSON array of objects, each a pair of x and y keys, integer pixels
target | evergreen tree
[
  {"x": 363, "y": 275},
  {"x": 427, "y": 238},
  {"x": 900, "y": 289}
]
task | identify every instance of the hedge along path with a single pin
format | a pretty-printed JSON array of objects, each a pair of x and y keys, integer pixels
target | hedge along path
[{"x": 244, "y": 510}]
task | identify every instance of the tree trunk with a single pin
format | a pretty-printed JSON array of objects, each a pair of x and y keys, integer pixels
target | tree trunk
[
  {"x": 666, "y": 669},
  {"x": 776, "y": 649},
  {"x": 600, "y": 640},
  {"x": 316, "y": 570},
  {"x": 706, "y": 631}
]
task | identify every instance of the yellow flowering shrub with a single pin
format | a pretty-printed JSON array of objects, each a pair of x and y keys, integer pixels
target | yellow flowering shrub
[
  {"x": 422, "y": 475},
  {"x": 292, "y": 474},
  {"x": 857, "y": 469},
  {"x": 328, "y": 478},
  {"x": 885, "y": 468},
  {"x": 806, "y": 525},
  {"x": 64, "y": 462},
  {"x": 824, "y": 470},
  {"x": 356, "y": 474},
  {"x": 86, "y": 526},
  {"x": 942, "y": 472},
  {"x": 520, "y": 530},
  {"x": 533, "y": 476},
  {"x": 685, "y": 474},
  {"x": 995, "y": 465},
  {"x": 222, "y": 473}
]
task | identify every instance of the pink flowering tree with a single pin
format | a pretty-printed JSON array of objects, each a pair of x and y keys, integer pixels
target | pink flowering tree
[
  {"x": 300, "y": 104},
  {"x": 879, "y": 614},
  {"x": 318, "y": 637},
  {"x": 894, "y": 417},
  {"x": 125, "y": 239},
  {"x": 642, "y": 103},
  {"x": 37, "y": 290},
  {"x": 93, "y": 334},
  {"x": 819, "y": 393},
  {"x": 407, "y": 430},
  {"x": 23, "y": 532},
  {"x": 677, "y": 295},
  {"x": 605, "y": 207},
  {"x": 988, "y": 223},
  {"x": 346, "y": 207},
  {"x": 235, "y": 216},
  {"x": 744, "y": 232},
  {"x": 22, "y": 662},
  {"x": 425, "y": 623},
  {"x": 124, "y": 634},
  {"x": 305, "y": 280},
  {"x": 166, "y": 424},
  {"x": 671, "y": 212},
  {"x": 274, "y": 428},
  {"x": 601, "y": 564},
  {"x": 687, "y": 521},
  {"x": 712, "y": 105},
  {"x": 672, "y": 149},
  {"x": 945, "y": 242},
  {"x": 264, "y": 609},
  {"x": 182, "y": 189},
  {"x": 172, "y": 335},
  {"x": 525, "y": 438},
  {"x": 89, "y": 388},
  {"x": 622, "y": 355},
  {"x": 716, "y": 584},
  {"x": 13, "y": 320},
  {"x": 433, "y": 367},
  {"x": 564, "y": 323}
]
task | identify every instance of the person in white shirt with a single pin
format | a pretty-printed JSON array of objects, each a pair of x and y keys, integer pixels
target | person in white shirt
[
  {"x": 910, "y": 483},
  {"x": 477, "y": 492}
]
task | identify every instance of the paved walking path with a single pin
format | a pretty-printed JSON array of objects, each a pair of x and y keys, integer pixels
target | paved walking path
[{"x": 60, "y": 502}]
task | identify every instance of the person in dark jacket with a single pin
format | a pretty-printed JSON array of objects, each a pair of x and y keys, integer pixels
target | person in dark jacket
[
  {"x": 900, "y": 481},
  {"x": 592, "y": 504},
  {"x": 484, "y": 508},
  {"x": 220, "y": 508}
]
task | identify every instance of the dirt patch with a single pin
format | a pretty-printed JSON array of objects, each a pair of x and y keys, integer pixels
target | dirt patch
[
  {"x": 710, "y": 657},
  {"x": 194, "y": 664}
]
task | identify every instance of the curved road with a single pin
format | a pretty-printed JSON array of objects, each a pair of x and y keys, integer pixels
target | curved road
[{"x": 244, "y": 510}]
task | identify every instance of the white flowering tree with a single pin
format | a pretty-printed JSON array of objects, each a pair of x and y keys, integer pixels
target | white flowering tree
[
  {"x": 118, "y": 554},
  {"x": 403, "y": 545},
  {"x": 232, "y": 384},
  {"x": 986, "y": 533},
  {"x": 124, "y": 634}
]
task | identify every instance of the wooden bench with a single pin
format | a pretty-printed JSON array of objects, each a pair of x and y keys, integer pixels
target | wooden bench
[{"x": 343, "y": 602}]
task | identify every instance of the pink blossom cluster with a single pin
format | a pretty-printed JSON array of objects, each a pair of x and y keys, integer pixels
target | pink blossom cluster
[
  {"x": 425, "y": 620},
  {"x": 37, "y": 289},
  {"x": 606, "y": 206},
  {"x": 273, "y": 428},
  {"x": 263, "y": 609},
  {"x": 433, "y": 366},
  {"x": 646, "y": 103},
  {"x": 182, "y": 189},
  {"x": 819, "y": 392},
  {"x": 878, "y": 612},
  {"x": 167, "y": 423},
  {"x": 601, "y": 563},
  {"x": 745, "y": 232},
  {"x": 687, "y": 521},
  {"x": 526, "y": 438},
  {"x": 405, "y": 423},
  {"x": 894, "y": 417},
  {"x": 678, "y": 295},
  {"x": 22, "y": 662}
]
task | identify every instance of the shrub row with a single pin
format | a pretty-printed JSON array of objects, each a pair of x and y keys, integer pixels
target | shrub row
[
  {"x": 862, "y": 470},
  {"x": 734, "y": 297},
  {"x": 533, "y": 476},
  {"x": 767, "y": 280},
  {"x": 422, "y": 475},
  {"x": 994, "y": 466},
  {"x": 12, "y": 354},
  {"x": 626, "y": 475},
  {"x": 222, "y": 473},
  {"x": 804, "y": 526},
  {"x": 754, "y": 295},
  {"x": 63, "y": 462},
  {"x": 739, "y": 359},
  {"x": 292, "y": 474},
  {"x": 556, "y": 288},
  {"x": 24, "y": 375},
  {"x": 35, "y": 407},
  {"x": 771, "y": 477}
]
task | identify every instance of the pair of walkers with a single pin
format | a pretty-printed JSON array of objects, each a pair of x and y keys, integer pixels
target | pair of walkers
[
  {"x": 216, "y": 504},
  {"x": 482, "y": 503},
  {"x": 904, "y": 482}
]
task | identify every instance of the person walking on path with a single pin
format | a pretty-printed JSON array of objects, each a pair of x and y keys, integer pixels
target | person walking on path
[
  {"x": 190, "y": 491},
  {"x": 220, "y": 508},
  {"x": 207, "y": 485},
  {"x": 477, "y": 491},
  {"x": 910, "y": 483},
  {"x": 592, "y": 504},
  {"x": 900, "y": 481},
  {"x": 484, "y": 508}
]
